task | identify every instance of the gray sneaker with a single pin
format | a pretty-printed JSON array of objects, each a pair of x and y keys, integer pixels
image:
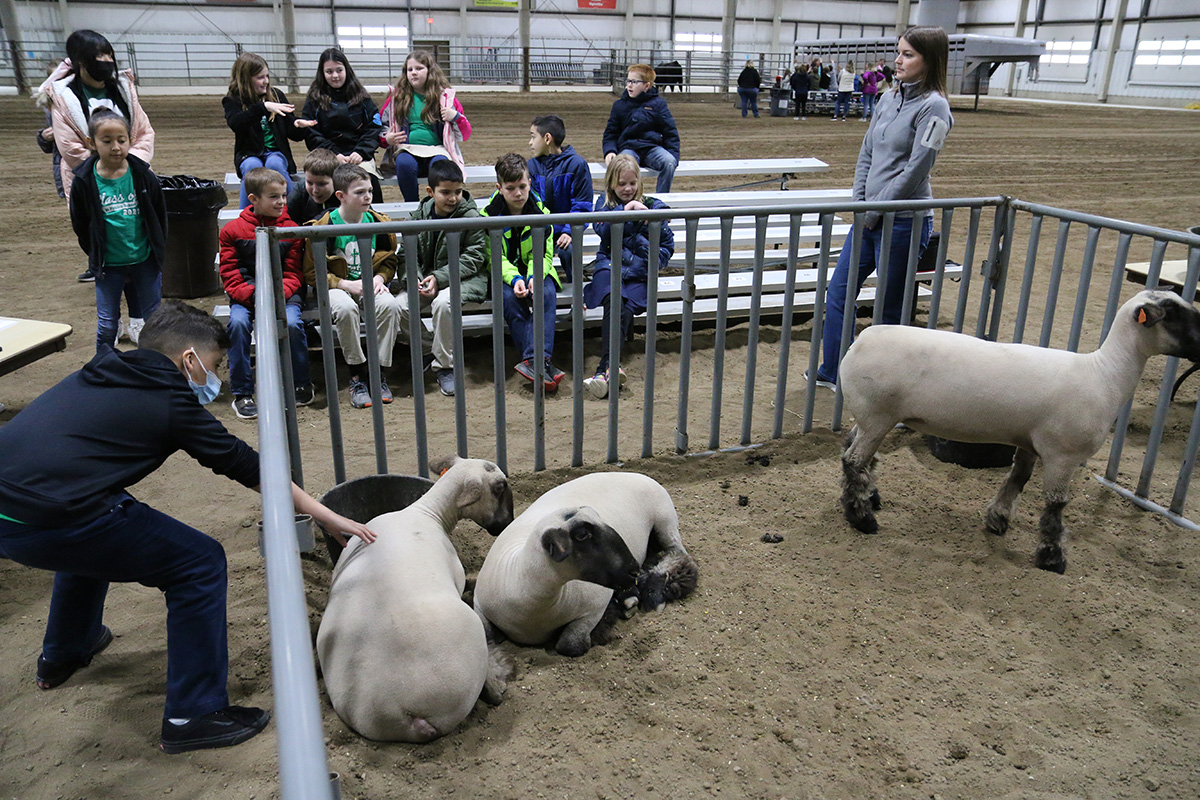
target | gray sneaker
[
  {"x": 445, "y": 381},
  {"x": 360, "y": 394},
  {"x": 245, "y": 407}
]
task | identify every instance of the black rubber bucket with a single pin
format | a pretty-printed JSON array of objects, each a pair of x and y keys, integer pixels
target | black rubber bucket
[
  {"x": 363, "y": 499},
  {"x": 972, "y": 455}
]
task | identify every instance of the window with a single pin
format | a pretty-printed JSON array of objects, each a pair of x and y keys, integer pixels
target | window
[
  {"x": 372, "y": 37},
  {"x": 698, "y": 42},
  {"x": 1067, "y": 53},
  {"x": 1168, "y": 53}
]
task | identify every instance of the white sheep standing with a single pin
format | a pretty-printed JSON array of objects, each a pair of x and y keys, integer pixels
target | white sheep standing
[
  {"x": 403, "y": 657},
  {"x": 551, "y": 574},
  {"x": 1050, "y": 404}
]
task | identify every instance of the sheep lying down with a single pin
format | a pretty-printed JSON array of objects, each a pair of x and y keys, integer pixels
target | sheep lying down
[
  {"x": 403, "y": 657},
  {"x": 1052, "y": 405},
  {"x": 550, "y": 576}
]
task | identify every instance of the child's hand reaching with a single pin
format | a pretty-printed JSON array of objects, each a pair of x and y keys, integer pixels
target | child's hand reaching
[
  {"x": 305, "y": 123},
  {"x": 635, "y": 205},
  {"x": 278, "y": 108}
]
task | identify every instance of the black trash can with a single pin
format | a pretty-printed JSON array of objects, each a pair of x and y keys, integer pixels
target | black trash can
[
  {"x": 190, "y": 268},
  {"x": 780, "y": 101},
  {"x": 363, "y": 499}
]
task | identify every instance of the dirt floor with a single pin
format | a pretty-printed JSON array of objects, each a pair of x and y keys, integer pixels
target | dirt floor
[{"x": 930, "y": 661}]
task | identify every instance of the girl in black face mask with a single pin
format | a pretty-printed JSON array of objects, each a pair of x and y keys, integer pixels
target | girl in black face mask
[{"x": 87, "y": 80}]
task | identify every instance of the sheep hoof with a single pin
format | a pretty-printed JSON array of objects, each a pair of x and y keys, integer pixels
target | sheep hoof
[
  {"x": 1052, "y": 559},
  {"x": 876, "y": 500},
  {"x": 571, "y": 649},
  {"x": 864, "y": 523},
  {"x": 652, "y": 589},
  {"x": 996, "y": 523}
]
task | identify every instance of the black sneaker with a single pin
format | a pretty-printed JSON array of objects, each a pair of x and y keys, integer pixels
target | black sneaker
[
  {"x": 86, "y": 277},
  {"x": 385, "y": 392},
  {"x": 549, "y": 379},
  {"x": 53, "y": 673},
  {"x": 245, "y": 407},
  {"x": 445, "y": 380},
  {"x": 225, "y": 728},
  {"x": 305, "y": 395}
]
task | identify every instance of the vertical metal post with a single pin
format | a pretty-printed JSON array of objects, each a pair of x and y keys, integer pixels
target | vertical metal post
[
  {"x": 691, "y": 225},
  {"x": 616, "y": 307},
  {"x": 303, "y": 770},
  {"x": 283, "y": 344},
  {"x": 328, "y": 360},
  {"x": 454, "y": 251},
  {"x": 883, "y": 267},
  {"x": 760, "y": 244},
  {"x": 910, "y": 272},
  {"x": 655, "y": 240},
  {"x": 785, "y": 338},
  {"x": 1114, "y": 284},
  {"x": 416, "y": 351},
  {"x": 1056, "y": 268},
  {"x": 366, "y": 252},
  {"x": 577, "y": 368},
  {"x": 1184, "y": 481},
  {"x": 848, "y": 312},
  {"x": 1085, "y": 280},
  {"x": 990, "y": 273},
  {"x": 818, "y": 327},
  {"x": 939, "y": 270},
  {"x": 537, "y": 257},
  {"x": 499, "y": 373},
  {"x": 964, "y": 285},
  {"x": 714, "y": 430},
  {"x": 1031, "y": 253}
]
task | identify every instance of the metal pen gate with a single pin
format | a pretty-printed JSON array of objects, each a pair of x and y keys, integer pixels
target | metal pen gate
[{"x": 977, "y": 307}]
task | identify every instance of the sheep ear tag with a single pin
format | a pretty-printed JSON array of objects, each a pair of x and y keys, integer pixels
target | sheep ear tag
[{"x": 1141, "y": 317}]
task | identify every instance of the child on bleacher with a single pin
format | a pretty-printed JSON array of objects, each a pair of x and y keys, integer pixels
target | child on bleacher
[
  {"x": 262, "y": 121},
  {"x": 561, "y": 177},
  {"x": 341, "y": 116},
  {"x": 120, "y": 220},
  {"x": 623, "y": 192},
  {"x": 518, "y": 261},
  {"x": 641, "y": 124},
  {"x": 424, "y": 122},
  {"x": 348, "y": 280},
  {"x": 266, "y": 189},
  {"x": 445, "y": 198},
  {"x": 308, "y": 202}
]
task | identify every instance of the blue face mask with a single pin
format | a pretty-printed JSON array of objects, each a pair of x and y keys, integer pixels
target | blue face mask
[{"x": 212, "y": 384}]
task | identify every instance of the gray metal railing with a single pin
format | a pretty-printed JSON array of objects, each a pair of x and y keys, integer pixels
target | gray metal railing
[{"x": 976, "y": 307}]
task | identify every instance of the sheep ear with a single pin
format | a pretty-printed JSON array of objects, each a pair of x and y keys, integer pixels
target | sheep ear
[
  {"x": 472, "y": 490},
  {"x": 440, "y": 465},
  {"x": 557, "y": 544},
  {"x": 1150, "y": 314}
]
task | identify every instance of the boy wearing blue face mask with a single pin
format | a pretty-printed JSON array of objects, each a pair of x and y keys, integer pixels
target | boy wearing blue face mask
[{"x": 64, "y": 506}]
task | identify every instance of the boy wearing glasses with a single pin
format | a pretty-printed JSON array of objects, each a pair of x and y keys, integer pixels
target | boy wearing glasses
[{"x": 641, "y": 124}]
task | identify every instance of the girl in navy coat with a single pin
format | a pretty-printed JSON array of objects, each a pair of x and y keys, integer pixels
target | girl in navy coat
[{"x": 623, "y": 192}]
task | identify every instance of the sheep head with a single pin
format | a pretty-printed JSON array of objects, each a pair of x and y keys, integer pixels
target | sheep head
[
  {"x": 580, "y": 541},
  {"x": 484, "y": 494},
  {"x": 1174, "y": 324}
]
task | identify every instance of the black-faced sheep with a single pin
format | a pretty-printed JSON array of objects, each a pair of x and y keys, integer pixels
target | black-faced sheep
[
  {"x": 404, "y": 658},
  {"x": 1051, "y": 404},
  {"x": 551, "y": 574}
]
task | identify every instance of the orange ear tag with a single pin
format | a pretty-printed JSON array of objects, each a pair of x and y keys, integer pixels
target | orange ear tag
[
  {"x": 447, "y": 469},
  {"x": 1142, "y": 315}
]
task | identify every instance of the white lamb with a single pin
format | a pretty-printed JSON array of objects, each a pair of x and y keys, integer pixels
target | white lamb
[
  {"x": 1051, "y": 404},
  {"x": 551, "y": 574},
  {"x": 404, "y": 658}
]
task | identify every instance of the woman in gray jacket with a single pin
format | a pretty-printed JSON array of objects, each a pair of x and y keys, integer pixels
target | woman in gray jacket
[{"x": 907, "y": 132}]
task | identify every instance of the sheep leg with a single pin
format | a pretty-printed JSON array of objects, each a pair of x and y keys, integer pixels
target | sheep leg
[
  {"x": 1057, "y": 481},
  {"x": 1000, "y": 510},
  {"x": 576, "y": 638},
  {"x": 859, "y": 497},
  {"x": 500, "y": 669}
]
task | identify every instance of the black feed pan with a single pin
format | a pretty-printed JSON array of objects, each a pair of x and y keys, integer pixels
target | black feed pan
[{"x": 363, "y": 499}]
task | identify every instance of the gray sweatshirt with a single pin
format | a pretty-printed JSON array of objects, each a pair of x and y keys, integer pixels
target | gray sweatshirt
[{"x": 907, "y": 132}]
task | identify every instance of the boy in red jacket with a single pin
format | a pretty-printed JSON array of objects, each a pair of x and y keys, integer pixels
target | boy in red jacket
[{"x": 267, "y": 192}]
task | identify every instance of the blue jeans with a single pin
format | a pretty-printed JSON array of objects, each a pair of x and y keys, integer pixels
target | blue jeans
[
  {"x": 659, "y": 159},
  {"x": 272, "y": 160},
  {"x": 408, "y": 169},
  {"x": 868, "y": 104},
  {"x": 519, "y": 316},
  {"x": 133, "y": 543},
  {"x": 241, "y": 325},
  {"x": 144, "y": 293},
  {"x": 869, "y": 258},
  {"x": 841, "y": 106},
  {"x": 749, "y": 100}
]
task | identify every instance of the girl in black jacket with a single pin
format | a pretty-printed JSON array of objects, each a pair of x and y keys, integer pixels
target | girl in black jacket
[
  {"x": 120, "y": 220},
  {"x": 342, "y": 117},
  {"x": 262, "y": 121}
]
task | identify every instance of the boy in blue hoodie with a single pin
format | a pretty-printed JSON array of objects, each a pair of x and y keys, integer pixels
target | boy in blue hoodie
[{"x": 561, "y": 177}]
